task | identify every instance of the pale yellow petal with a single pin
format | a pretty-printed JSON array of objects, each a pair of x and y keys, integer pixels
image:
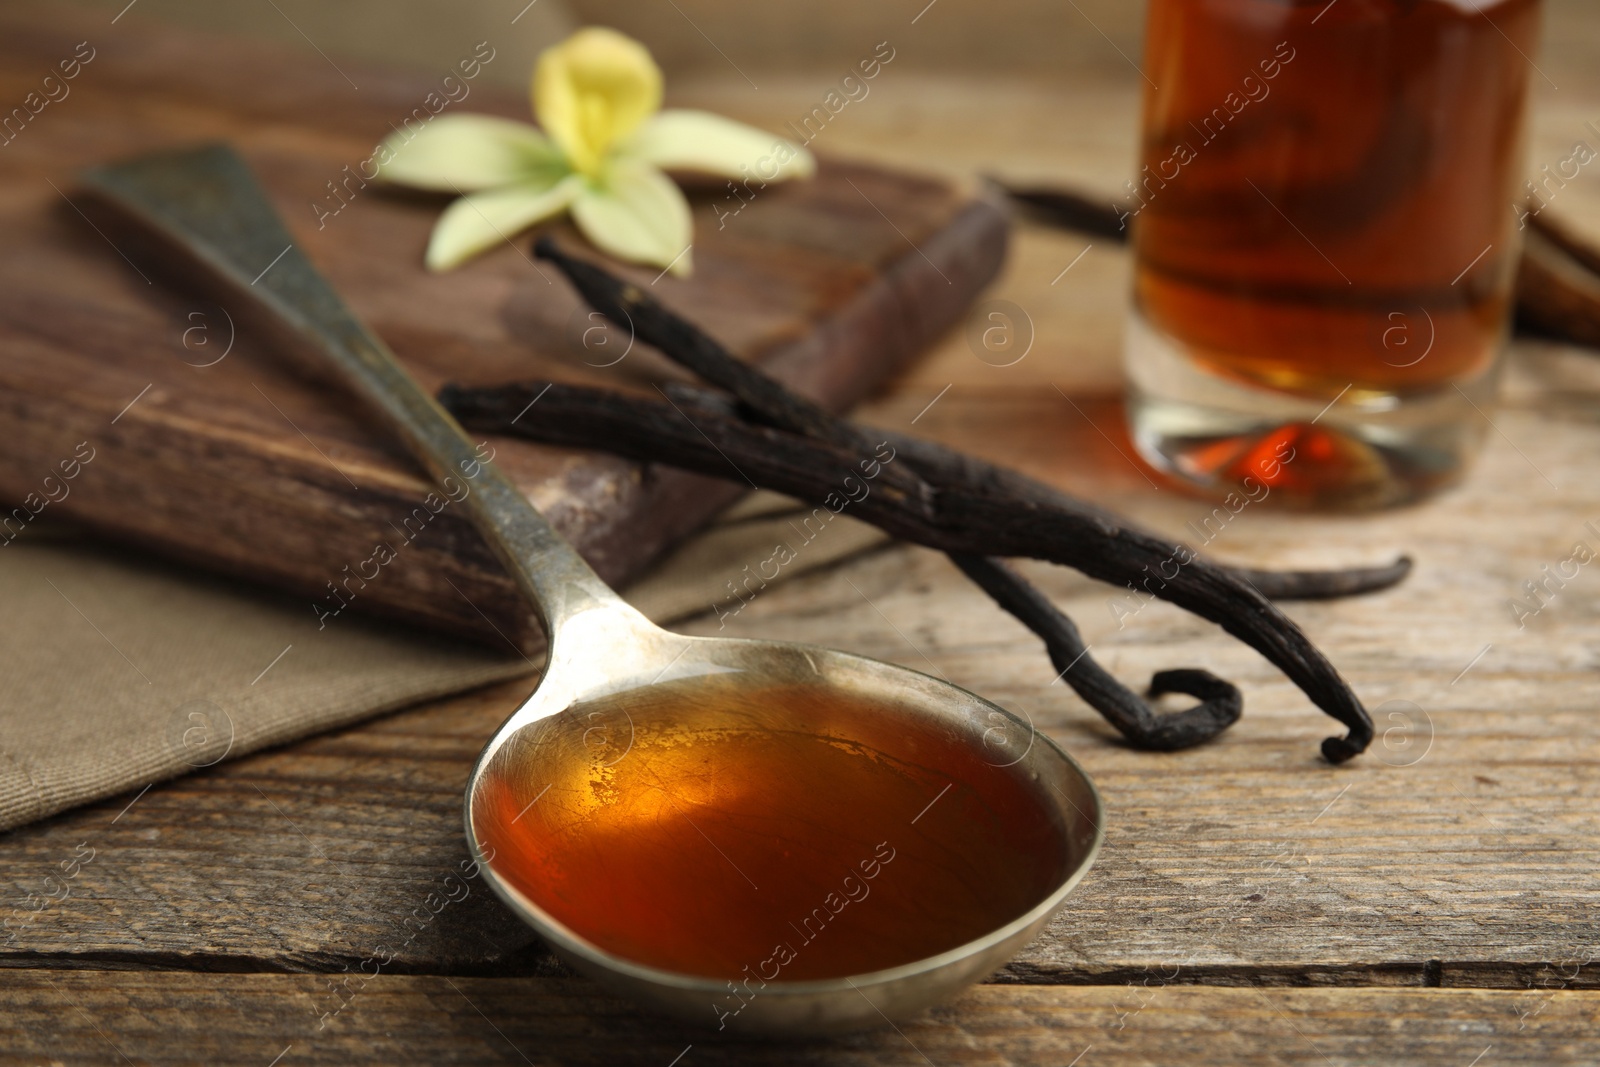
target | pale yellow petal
[
  {"x": 639, "y": 215},
  {"x": 479, "y": 221},
  {"x": 592, "y": 90},
  {"x": 710, "y": 144},
  {"x": 465, "y": 153}
]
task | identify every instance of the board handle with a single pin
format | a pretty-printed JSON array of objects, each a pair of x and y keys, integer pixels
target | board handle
[{"x": 205, "y": 205}]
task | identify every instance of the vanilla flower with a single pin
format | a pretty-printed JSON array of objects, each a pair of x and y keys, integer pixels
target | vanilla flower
[{"x": 601, "y": 156}]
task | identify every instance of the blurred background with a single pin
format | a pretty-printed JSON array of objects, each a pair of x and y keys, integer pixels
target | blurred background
[
  {"x": 1029, "y": 90},
  {"x": 692, "y": 36},
  {"x": 1011, "y": 38}
]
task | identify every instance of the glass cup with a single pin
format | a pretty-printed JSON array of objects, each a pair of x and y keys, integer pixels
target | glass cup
[{"x": 1325, "y": 235}]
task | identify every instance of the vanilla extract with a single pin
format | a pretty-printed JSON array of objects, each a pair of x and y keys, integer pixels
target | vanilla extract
[{"x": 758, "y": 833}]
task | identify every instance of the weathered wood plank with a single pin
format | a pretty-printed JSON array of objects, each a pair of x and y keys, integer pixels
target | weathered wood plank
[{"x": 174, "y": 1018}]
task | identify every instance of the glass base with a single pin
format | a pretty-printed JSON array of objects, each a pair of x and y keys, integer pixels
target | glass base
[{"x": 1360, "y": 450}]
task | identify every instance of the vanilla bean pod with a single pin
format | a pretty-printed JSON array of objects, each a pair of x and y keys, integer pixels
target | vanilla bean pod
[
  {"x": 947, "y": 466},
  {"x": 1558, "y": 282},
  {"x": 1220, "y": 701},
  {"x": 630, "y": 308},
  {"x": 768, "y": 399},
  {"x": 770, "y": 402},
  {"x": 1072, "y": 210},
  {"x": 690, "y": 347},
  {"x": 956, "y": 520}
]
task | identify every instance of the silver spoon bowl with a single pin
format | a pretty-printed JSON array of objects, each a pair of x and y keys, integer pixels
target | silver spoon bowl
[{"x": 784, "y": 758}]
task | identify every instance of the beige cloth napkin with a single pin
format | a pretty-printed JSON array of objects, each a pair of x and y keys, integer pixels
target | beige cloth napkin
[{"x": 120, "y": 671}]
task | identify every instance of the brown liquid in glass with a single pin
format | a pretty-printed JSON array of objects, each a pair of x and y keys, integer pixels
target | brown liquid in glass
[
  {"x": 719, "y": 829},
  {"x": 1333, "y": 222}
]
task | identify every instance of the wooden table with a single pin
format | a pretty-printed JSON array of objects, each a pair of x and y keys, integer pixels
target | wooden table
[{"x": 1433, "y": 902}]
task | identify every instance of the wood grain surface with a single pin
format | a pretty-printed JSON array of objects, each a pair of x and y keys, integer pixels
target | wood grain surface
[
  {"x": 1434, "y": 902},
  {"x": 231, "y": 462},
  {"x": 205, "y": 1019},
  {"x": 1458, "y": 854}
]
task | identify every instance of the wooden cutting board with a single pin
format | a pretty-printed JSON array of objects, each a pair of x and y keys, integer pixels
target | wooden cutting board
[{"x": 230, "y": 462}]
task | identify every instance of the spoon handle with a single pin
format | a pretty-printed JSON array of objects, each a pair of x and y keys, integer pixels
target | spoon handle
[{"x": 205, "y": 204}]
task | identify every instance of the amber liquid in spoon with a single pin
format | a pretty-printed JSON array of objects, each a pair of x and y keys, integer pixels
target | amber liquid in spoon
[{"x": 729, "y": 830}]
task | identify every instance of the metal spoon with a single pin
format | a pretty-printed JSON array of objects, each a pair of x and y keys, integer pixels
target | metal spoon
[{"x": 615, "y": 687}]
